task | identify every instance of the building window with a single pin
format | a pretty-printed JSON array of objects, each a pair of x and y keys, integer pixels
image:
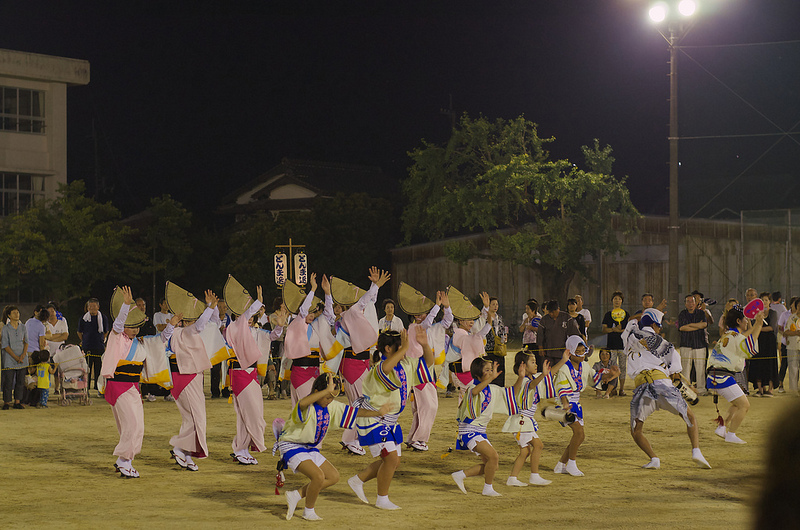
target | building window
[
  {"x": 20, "y": 191},
  {"x": 21, "y": 110}
]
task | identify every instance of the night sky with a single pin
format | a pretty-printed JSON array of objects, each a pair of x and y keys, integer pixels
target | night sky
[{"x": 195, "y": 98}]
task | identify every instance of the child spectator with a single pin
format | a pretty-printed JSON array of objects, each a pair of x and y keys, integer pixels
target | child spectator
[
  {"x": 602, "y": 366},
  {"x": 43, "y": 370}
]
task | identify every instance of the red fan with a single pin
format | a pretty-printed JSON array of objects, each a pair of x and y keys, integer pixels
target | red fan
[{"x": 753, "y": 308}]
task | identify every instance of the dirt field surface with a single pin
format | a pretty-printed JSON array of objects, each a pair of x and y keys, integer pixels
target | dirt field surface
[{"x": 56, "y": 468}]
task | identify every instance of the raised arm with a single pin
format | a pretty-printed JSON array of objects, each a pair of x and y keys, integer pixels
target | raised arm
[
  {"x": 391, "y": 361},
  {"x": 169, "y": 327},
  {"x": 488, "y": 377},
  {"x": 127, "y": 303}
]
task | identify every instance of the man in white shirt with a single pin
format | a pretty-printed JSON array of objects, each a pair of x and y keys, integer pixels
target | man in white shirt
[
  {"x": 161, "y": 318},
  {"x": 57, "y": 330},
  {"x": 587, "y": 315},
  {"x": 783, "y": 317}
]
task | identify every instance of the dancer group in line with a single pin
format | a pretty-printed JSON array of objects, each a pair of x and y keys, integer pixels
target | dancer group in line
[{"x": 337, "y": 344}]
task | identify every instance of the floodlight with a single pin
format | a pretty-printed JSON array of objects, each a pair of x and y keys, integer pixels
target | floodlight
[
  {"x": 687, "y": 7},
  {"x": 658, "y": 12}
]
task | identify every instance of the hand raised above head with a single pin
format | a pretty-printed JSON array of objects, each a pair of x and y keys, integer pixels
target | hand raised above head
[
  {"x": 176, "y": 319},
  {"x": 485, "y": 299},
  {"x": 445, "y": 299},
  {"x": 260, "y": 294},
  {"x": 211, "y": 299},
  {"x": 326, "y": 284},
  {"x": 313, "y": 281},
  {"x": 127, "y": 296},
  {"x": 421, "y": 336}
]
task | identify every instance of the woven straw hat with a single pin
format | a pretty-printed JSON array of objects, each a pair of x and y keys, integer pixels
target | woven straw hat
[
  {"x": 236, "y": 296},
  {"x": 413, "y": 302},
  {"x": 136, "y": 317},
  {"x": 293, "y": 296},
  {"x": 461, "y": 306},
  {"x": 345, "y": 293},
  {"x": 179, "y": 300}
]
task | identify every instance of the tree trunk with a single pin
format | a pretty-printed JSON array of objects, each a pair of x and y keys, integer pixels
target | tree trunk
[{"x": 555, "y": 285}]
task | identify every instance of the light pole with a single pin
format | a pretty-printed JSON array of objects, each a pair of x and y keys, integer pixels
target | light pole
[{"x": 675, "y": 14}]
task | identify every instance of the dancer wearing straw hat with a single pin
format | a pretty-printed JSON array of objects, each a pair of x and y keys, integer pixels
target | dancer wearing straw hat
[
  {"x": 126, "y": 360},
  {"x": 188, "y": 359},
  {"x": 308, "y": 335},
  {"x": 426, "y": 401},
  {"x": 248, "y": 402},
  {"x": 356, "y": 332}
]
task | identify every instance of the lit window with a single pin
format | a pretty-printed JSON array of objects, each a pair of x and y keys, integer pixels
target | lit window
[
  {"x": 21, "y": 110},
  {"x": 19, "y": 191}
]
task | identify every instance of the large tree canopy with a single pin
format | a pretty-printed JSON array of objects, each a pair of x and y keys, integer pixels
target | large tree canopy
[
  {"x": 497, "y": 175},
  {"x": 62, "y": 248}
]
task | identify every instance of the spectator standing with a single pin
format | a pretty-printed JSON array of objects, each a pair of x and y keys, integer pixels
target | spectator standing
[
  {"x": 15, "y": 357},
  {"x": 614, "y": 323},
  {"x": 161, "y": 318},
  {"x": 692, "y": 324},
  {"x": 764, "y": 365},
  {"x": 554, "y": 329},
  {"x": 529, "y": 326},
  {"x": 792, "y": 334},
  {"x": 496, "y": 338},
  {"x": 781, "y": 311},
  {"x": 93, "y": 330},
  {"x": 572, "y": 310},
  {"x": 587, "y": 315},
  {"x": 390, "y": 321},
  {"x": 56, "y": 328}
]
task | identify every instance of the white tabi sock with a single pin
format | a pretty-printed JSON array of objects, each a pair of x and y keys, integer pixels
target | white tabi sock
[
  {"x": 537, "y": 480},
  {"x": 292, "y": 498},
  {"x": 488, "y": 490},
  {"x": 572, "y": 469},
  {"x": 731, "y": 437},
  {"x": 310, "y": 515},
  {"x": 699, "y": 459},
  {"x": 654, "y": 463},
  {"x": 458, "y": 478},
  {"x": 357, "y": 485},
  {"x": 514, "y": 481},
  {"x": 384, "y": 503}
]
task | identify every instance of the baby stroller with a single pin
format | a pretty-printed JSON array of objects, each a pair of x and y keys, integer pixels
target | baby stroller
[{"x": 73, "y": 374}]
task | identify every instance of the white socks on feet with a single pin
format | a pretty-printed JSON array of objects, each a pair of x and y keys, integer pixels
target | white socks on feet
[
  {"x": 560, "y": 467},
  {"x": 357, "y": 485},
  {"x": 513, "y": 481},
  {"x": 458, "y": 478},
  {"x": 720, "y": 431},
  {"x": 292, "y": 498},
  {"x": 310, "y": 515},
  {"x": 654, "y": 463},
  {"x": 488, "y": 490},
  {"x": 698, "y": 458},
  {"x": 731, "y": 437},
  {"x": 572, "y": 469},
  {"x": 384, "y": 503},
  {"x": 536, "y": 480}
]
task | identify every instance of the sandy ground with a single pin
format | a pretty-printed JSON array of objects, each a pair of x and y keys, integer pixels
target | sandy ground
[{"x": 56, "y": 468}]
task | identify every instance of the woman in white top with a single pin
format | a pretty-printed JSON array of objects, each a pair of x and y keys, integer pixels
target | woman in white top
[{"x": 390, "y": 321}]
